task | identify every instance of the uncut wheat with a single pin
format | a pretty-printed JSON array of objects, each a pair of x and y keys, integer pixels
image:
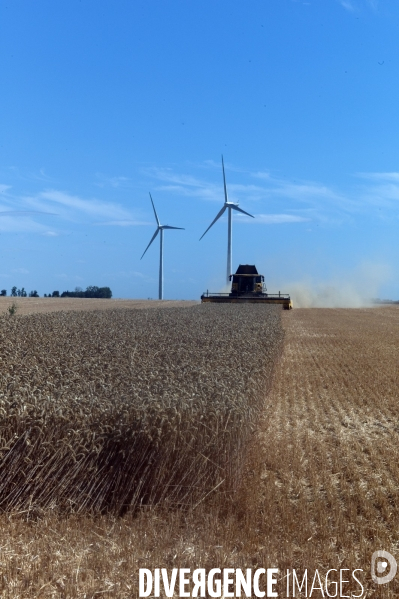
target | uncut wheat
[{"x": 108, "y": 410}]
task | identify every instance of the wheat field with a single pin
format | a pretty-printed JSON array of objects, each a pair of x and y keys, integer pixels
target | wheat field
[
  {"x": 109, "y": 410},
  {"x": 44, "y": 305},
  {"x": 318, "y": 487}
]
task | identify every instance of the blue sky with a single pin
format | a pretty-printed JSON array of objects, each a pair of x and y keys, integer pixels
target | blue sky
[{"x": 104, "y": 102}]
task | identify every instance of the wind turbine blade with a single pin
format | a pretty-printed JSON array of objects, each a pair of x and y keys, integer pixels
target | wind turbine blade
[
  {"x": 224, "y": 182},
  {"x": 219, "y": 214},
  {"x": 152, "y": 239},
  {"x": 155, "y": 212},
  {"x": 168, "y": 227},
  {"x": 240, "y": 210}
]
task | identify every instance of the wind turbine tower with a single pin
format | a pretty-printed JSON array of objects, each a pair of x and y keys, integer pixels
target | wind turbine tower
[
  {"x": 227, "y": 206},
  {"x": 160, "y": 229}
]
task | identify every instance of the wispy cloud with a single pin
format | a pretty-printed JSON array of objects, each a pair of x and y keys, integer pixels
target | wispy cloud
[
  {"x": 306, "y": 192},
  {"x": 94, "y": 208},
  {"x": 347, "y": 5},
  {"x": 350, "y": 6},
  {"x": 11, "y": 223},
  {"x": 380, "y": 190},
  {"x": 186, "y": 185},
  {"x": 300, "y": 200},
  {"x": 392, "y": 176},
  {"x": 41, "y": 176},
  {"x": 115, "y": 182},
  {"x": 122, "y": 223},
  {"x": 278, "y": 200},
  {"x": 28, "y": 212},
  {"x": 272, "y": 199},
  {"x": 275, "y": 219},
  {"x": 373, "y": 4}
]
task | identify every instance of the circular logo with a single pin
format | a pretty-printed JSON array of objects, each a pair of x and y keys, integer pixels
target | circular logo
[{"x": 379, "y": 567}]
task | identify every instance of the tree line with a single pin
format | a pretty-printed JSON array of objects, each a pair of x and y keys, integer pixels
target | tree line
[{"x": 91, "y": 292}]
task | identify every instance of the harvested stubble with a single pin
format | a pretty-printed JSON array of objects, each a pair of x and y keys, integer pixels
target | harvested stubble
[{"x": 109, "y": 410}]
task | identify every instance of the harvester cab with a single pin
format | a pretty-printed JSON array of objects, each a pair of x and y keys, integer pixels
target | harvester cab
[
  {"x": 248, "y": 286},
  {"x": 247, "y": 280}
]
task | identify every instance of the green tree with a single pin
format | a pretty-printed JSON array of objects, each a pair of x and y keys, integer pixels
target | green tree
[
  {"x": 91, "y": 291},
  {"x": 94, "y": 291},
  {"x": 105, "y": 292},
  {"x": 14, "y": 291}
]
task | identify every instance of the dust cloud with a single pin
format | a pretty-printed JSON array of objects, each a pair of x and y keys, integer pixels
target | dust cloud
[
  {"x": 325, "y": 295},
  {"x": 350, "y": 289},
  {"x": 354, "y": 289},
  {"x": 225, "y": 289}
]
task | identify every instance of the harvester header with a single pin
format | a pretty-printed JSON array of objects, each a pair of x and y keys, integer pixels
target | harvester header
[{"x": 248, "y": 286}]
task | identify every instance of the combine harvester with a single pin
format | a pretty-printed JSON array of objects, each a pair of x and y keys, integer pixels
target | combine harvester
[{"x": 248, "y": 287}]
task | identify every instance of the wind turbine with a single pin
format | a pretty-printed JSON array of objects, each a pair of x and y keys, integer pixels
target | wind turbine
[
  {"x": 160, "y": 228},
  {"x": 227, "y": 206}
]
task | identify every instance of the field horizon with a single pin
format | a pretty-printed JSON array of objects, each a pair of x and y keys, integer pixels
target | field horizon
[{"x": 34, "y": 305}]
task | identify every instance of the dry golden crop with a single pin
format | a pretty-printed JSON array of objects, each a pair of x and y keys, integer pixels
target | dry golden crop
[
  {"x": 44, "y": 305},
  {"x": 108, "y": 410},
  {"x": 322, "y": 484},
  {"x": 330, "y": 480}
]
